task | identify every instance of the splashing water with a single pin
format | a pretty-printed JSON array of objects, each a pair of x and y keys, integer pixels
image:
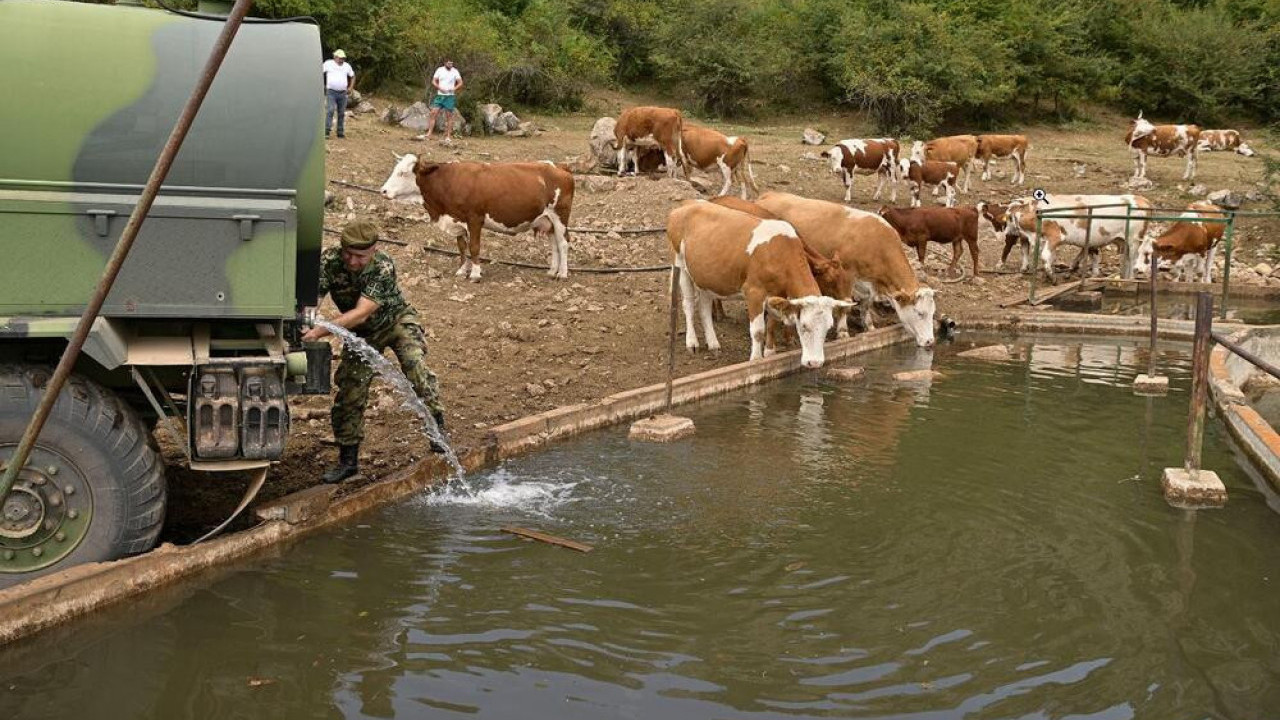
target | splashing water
[
  {"x": 408, "y": 397},
  {"x": 508, "y": 491}
]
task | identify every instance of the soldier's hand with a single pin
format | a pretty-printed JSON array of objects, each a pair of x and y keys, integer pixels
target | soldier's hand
[{"x": 314, "y": 334}]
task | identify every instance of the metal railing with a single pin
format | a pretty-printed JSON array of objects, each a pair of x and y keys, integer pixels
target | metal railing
[{"x": 1089, "y": 214}]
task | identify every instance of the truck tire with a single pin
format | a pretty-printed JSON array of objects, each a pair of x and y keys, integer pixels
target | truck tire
[{"x": 93, "y": 488}]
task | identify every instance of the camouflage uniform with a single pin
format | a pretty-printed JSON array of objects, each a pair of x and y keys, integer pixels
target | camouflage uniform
[{"x": 393, "y": 325}]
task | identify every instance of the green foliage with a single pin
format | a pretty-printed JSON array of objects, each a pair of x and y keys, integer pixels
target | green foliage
[{"x": 914, "y": 66}]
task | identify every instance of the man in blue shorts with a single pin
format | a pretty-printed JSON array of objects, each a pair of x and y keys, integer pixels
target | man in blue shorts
[{"x": 447, "y": 81}]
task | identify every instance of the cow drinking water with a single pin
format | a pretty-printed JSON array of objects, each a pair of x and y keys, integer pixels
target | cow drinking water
[{"x": 1186, "y": 241}]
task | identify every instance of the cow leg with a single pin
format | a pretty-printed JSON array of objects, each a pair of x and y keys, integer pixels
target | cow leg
[
  {"x": 757, "y": 327},
  {"x": 1009, "y": 242},
  {"x": 1208, "y": 263},
  {"x": 464, "y": 262},
  {"x": 841, "y": 317},
  {"x": 865, "y": 295},
  {"x": 973, "y": 253},
  {"x": 708, "y": 324},
  {"x": 1019, "y": 161},
  {"x": 672, "y": 167},
  {"x": 622, "y": 160},
  {"x": 955, "y": 258},
  {"x": 951, "y": 194},
  {"x": 688, "y": 300},
  {"x": 1191, "y": 165},
  {"x": 879, "y": 183},
  {"x": 559, "y": 238},
  {"x": 847, "y": 176},
  {"x": 728, "y": 175},
  {"x": 986, "y": 168},
  {"x": 473, "y": 229},
  {"x": 717, "y": 311},
  {"x": 915, "y": 194}
]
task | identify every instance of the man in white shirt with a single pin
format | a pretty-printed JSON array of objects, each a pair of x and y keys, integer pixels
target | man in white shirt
[
  {"x": 447, "y": 81},
  {"x": 338, "y": 78}
]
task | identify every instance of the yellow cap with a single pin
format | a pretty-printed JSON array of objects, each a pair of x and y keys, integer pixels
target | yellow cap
[{"x": 339, "y": 53}]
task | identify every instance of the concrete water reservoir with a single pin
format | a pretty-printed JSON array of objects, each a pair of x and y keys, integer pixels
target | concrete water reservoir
[{"x": 993, "y": 543}]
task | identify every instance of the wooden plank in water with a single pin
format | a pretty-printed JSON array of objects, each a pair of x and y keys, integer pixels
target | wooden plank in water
[
  {"x": 549, "y": 539},
  {"x": 1056, "y": 291}
]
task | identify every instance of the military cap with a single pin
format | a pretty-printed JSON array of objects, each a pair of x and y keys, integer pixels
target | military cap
[{"x": 359, "y": 235}]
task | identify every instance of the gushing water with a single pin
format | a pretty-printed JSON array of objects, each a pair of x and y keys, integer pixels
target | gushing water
[
  {"x": 508, "y": 491},
  {"x": 408, "y": 397}
]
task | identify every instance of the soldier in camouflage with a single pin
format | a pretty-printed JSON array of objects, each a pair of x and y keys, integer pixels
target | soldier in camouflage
[{"x": 362, "y": 282}]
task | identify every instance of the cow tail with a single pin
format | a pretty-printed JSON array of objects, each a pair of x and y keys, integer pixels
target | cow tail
[
  {"x": 749, "y": 173},
  {"x": 684, "y": 162}
]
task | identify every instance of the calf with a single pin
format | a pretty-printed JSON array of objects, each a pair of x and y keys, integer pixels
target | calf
[
  {"x": 959, "y": 149},
  {"x": 464, "y": 197},
  {"x": 720, "y": 252},
  {"x": 999, "y": 146},
  {"x": 705, "y": 148},
  {"x": 1185, "y": 241},
  {"x": 1217, "y": 140},
  {"x": 930, "y": 172},
  {"x": 948, "y": 226},
  {"x": 664, "y": 125},
  {"x": 879, "y": 156},
  {"x": 870, "y": 248},
  {"x": 1089, "y": 236},
  {"x": 1146, "y": 139}
]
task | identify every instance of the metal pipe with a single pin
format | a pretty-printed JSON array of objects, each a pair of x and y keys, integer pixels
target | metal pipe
[
  {"x": 1261, "y": 364},
  {"x": 1199, "y": 380},
  {"x": 1035, "y": 263},
  {"x": 123, "y": 246},
  {"x": 1228, "y": 241},
  {"x": 671, "y": 336},
  {"x": 1126, "y": 270},
  {"x": 1088, "y": 233},
  {"x": 1151, "y": 360}
]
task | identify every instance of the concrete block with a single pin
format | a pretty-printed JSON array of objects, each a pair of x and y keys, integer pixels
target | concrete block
[
  {"x": 661, "y": 428},
  {"x": 297, "y": 507},
  {"x": 1087, "y": 301},
  {"x": 1204, "y": 489},
  {"x": 916, "y": 376},
  {"x": 848, "y": 374},
  {"x": 1151, "y": 385},
  {"x": 990, "y": 352}
]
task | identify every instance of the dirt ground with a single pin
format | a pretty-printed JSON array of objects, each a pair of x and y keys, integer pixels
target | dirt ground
[{"x": 518, "y": 342}]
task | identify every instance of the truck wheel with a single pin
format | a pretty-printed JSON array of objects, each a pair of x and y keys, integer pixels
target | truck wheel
[{"x": 93, "y": 488}]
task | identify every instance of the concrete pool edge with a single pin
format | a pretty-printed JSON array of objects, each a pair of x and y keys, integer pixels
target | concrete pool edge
[
  {"x": 52, "y": 600},
  {"x": 1258, "y": 439}
]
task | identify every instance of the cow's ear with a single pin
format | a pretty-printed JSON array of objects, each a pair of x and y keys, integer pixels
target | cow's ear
[
  {"x": 779, "y": 308},
  {"x": 424, "y": 168}
]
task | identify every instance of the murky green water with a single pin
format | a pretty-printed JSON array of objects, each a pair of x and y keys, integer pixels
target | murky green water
[
  {"x": 1182, "y": 306},
  {"x": 992, "y": 546}
]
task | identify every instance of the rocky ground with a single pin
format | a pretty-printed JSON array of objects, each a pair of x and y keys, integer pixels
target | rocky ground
[{"x": 519, "y": 342}]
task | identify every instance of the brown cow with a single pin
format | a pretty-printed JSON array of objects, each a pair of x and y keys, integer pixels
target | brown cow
[
  {"x": 664, "y": 125},
  {"x": 948, "y": 226},
  {"x": 937, "y": 173},
  {"x": 999, "y": 146},
  {"x": 879, "y": 156},
  {"x": 1185, "y": 241},
  {"x": 706, "y": 148},
  {"x": 959, "y": 149},
  {"x": 720, "y": 252},
  {"x": 867, "y": 245},
  {"x": 1217, "y": 140},
  {"x": 1146, "y": 139},
  {"x": 464, "y": 197}
]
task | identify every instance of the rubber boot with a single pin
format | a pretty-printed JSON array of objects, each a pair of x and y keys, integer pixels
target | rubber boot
[
  {"x": 436, "y": 447},
  {"x": 348, "y": 464}
]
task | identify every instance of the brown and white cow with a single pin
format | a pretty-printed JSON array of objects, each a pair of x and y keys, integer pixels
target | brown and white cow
[
  {"x": 868, "y": 246},
  {"x": 878, "y": 155},
  {"x": 464, "y": 197},
  {"x": 664, "y": 125},
  {"x": 1186, "y": 241},
  {"x": 937, "y": 173},
  {"x": 1145, "y": 139},
  {"x": 1219, "y": 140},
  {"x": 947, "y": 226},
  {"x": 705, "y": 148},
  {"x": 719, "y": 252},
  {"x": 1089, "y": 236},
  {"x": 959, "y": 149},
  {"x": 1001, "y": 146}
]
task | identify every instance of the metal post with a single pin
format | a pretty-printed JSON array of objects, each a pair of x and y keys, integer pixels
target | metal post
[
  {"x": 1088, "y": 233},
  {"x": 671, "y": 337},
  {"x": 125, "y": 244},
  {"x": 1199, "y": 381},
  {"x": 1126, "y": 271},
  {"x": 1226, "y": 266},
  {"x": 1151, "y": 361},
  {"x": 1035, "y": 261}
]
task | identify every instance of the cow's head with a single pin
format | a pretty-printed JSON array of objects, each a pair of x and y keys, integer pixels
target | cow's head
[
  {"x": 402, "y": 185},
  {"x": 1142, "y": 256},
  {"x": 996, "y": 214},
  {"x": 835, "y": 158},
  {"x": 1139, "y": 127},
  {"x": 916, "y": 314},
  {"x": 811, "y": 317},
  {"x": 1245, "y": 150},
  {"x": 834, "y": 280},
  {"x": 917, "y": 151}
]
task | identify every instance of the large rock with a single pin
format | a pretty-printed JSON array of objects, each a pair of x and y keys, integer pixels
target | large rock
[
  {"x": 1224, "y": 198},
  {"x": 997, "y": 353},
  {"x": 507, "y": 121},
  {"x": 416, "y": 117},
  {"x": 600, "y": 143},
  {"x": 354, "y": 97},
  {"x": 489, "y": 114},
  {"x": 1197, "y": 190},
  {"x": 598, "y": 183},
  {"x": 364, "y": 108},
  {"x": 813, "y": 137}
]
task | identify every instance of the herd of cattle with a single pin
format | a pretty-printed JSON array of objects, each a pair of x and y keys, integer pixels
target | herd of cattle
[{"x": 801, "y": 262}]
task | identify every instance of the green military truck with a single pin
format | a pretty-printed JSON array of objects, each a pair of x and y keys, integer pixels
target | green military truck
[{"x": 200, "y": 331}]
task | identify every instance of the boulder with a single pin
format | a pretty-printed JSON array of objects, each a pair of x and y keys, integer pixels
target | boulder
[
  {"x": 415, "y": 117},
  {"x": 600, "y": 143},
  {"x": 391, "y": 115},
  {"x": 489, "y": 114},
  {"x": 364, "y": 108},
  {"x": 813, "y": 137},
  {"x": 1197, "y": 190},
  {"x": 354, "y": 97},
  {"x": 507, "y": 121},
  {"x": 1263, "y": 269},
  {"x": 1140, "y": 184},
  {"x": 598, "y": 183},
  {"x": 991, "y": 352},
  {"x": 1224, "y": 198}
]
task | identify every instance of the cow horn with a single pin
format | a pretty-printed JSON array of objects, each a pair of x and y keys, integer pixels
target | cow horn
[
  {"x": 397, "y": 155},
  {"x": 1139, "y": 114}
]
